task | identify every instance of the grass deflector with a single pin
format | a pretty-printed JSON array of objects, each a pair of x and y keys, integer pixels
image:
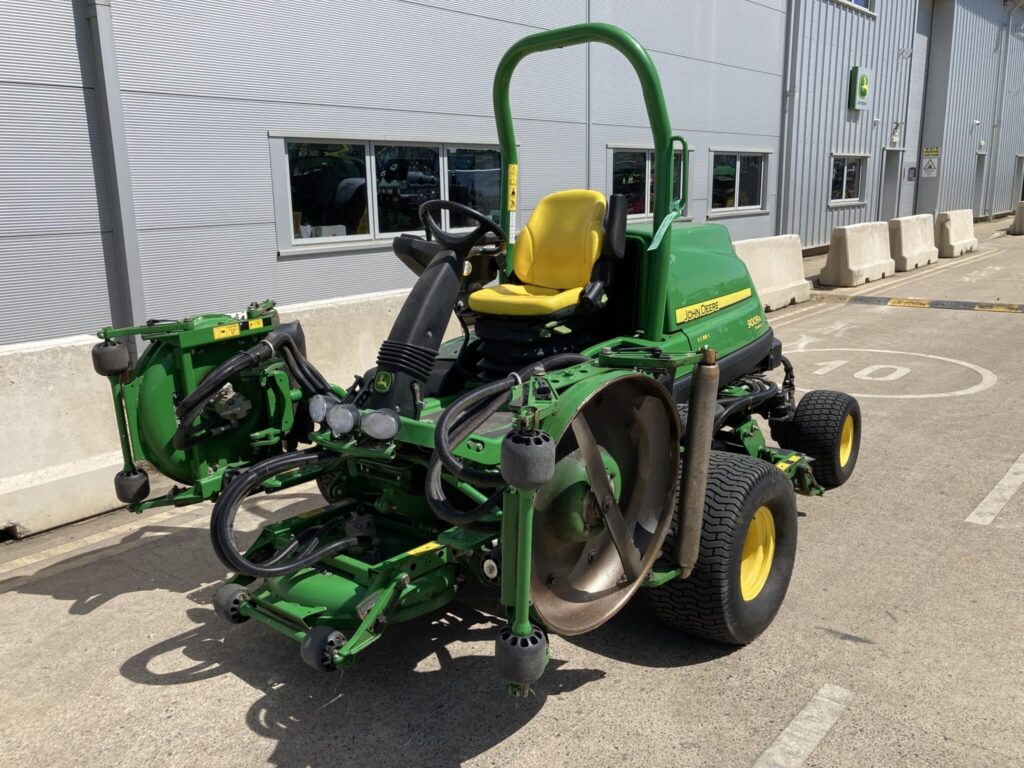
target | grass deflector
[{"x": 590, "y": 437}]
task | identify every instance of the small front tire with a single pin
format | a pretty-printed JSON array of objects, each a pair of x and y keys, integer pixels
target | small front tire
[
  {"x": 826, "y": 428},
  {"x": 227, "y": 603},
  {"x": 318, "y": 648}
]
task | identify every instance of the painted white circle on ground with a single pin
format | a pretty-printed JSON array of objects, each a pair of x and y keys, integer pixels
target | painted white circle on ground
[{"x": 988, "y": 379}]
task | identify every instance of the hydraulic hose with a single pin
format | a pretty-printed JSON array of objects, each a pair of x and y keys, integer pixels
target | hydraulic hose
[
  {"x": 463, "y": 417},
  {"x": 764, "y": 391},
  {"x": 220, "y": 375},
  {"x": 305, "y": 550},
  {"x": 309, "y": 379}
]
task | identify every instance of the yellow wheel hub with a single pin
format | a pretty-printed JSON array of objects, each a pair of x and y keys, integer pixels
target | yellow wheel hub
[
  {"x": 846, "y": 440},
  {"x": 758, "y": 553}
]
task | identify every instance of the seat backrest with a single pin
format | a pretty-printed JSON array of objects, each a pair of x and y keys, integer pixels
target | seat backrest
[{"x": 562, "y": 240}]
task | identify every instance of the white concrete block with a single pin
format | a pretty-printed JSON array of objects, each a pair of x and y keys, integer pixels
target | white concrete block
[
  {"x": 954, "y": 233},
  {"x": 857, "y": 254},
  {"x": 912, "y": 242},
  {"x": 1017, "y": 228},
  {"x": 776, "y": 267}
]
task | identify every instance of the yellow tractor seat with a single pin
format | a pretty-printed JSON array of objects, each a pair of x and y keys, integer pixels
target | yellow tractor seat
[
  {"x": 554, "y": 257},
  {"x": 515, "y": 299}
]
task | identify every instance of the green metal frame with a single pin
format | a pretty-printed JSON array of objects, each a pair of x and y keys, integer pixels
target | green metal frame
[{"x": 666, "y": 210}]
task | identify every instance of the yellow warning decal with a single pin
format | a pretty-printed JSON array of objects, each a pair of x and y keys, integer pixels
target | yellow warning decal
[
  {"x": 424, "y": 548},
  {"x": 919, "y": 303},
  {"x": 513, "y": 185},
  {"x": 227, "y": 331},
  {"x": 705, "y": 308},
  {"x": 257, "y": 323}
]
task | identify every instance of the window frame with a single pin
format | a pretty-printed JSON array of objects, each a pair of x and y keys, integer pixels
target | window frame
[
  {"x": 288, "y": 245},
  {"x": 738, "y": 210},
  {"x": 864, "y": 160},
  {"x": 871, "y": 9},
  {"x": 648, "y": 215}
]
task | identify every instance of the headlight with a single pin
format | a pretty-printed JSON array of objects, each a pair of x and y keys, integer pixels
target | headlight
[
  {"x": 318, "y": 407},
  {"x": 381, "y": 425},
  {"x": 342, "y": 419}
]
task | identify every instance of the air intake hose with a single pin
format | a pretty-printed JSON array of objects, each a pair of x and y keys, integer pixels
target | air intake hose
[{"x": 407, "y": 357}]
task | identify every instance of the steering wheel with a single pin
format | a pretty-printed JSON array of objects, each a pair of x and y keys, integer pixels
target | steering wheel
[{"x": 461, "y": 244}]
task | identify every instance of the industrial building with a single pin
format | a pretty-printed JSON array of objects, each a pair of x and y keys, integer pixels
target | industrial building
[
  {"x": 160, "y": 159},
  {"x": 163, "y": 159}
]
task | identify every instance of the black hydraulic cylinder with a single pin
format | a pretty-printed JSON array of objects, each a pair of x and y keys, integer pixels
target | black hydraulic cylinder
[{"x": 700, "y": 425}]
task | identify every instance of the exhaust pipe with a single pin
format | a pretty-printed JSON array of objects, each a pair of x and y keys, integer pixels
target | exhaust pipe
[{"x": 700, "y": 426}]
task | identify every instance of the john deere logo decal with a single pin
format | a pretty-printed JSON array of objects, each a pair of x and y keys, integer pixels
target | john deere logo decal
[{"x": 382, "y": 381}]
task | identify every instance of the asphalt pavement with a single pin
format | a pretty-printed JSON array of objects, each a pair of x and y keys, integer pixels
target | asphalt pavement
[{"x": 900, "y": 643}]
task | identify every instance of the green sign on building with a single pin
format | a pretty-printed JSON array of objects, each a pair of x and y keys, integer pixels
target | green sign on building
[{"x": 861, "y": 86}]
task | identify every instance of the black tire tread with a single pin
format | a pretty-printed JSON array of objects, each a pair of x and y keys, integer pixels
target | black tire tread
[
  {"x": 815, "y": 431},
  {"x": 699, "y": 604}
]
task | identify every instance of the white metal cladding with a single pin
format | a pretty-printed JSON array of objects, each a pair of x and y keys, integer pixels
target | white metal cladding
[
  {"x": 1007, "y": 192},
  {"x": 962, "y": 100},
  {"x": 721, "y": 71},
  {"x": 204, "y": 83},
  {"x": 54, "y": 224},
  {"x": 832, "y": 38}
]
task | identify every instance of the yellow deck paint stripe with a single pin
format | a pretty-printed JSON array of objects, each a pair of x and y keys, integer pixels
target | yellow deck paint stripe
[{"x": 705, "y": 308}]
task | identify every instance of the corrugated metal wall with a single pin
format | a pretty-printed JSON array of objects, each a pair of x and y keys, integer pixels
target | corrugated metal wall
[
  {"x": 968, "y": 45},
  {"x": 831, "y": 39},
  {"x": 203, "y": 84},
  {"x": 721, "y": 69},
  {"x": 1007, "y": 190},
  {"x": 54, "y": 224}
]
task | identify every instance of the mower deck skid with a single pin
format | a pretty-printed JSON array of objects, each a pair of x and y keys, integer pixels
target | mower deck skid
[{"x": 596, "y": 433}]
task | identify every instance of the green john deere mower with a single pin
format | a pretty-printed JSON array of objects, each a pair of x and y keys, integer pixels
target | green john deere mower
[{"x": 591, "y": 436}]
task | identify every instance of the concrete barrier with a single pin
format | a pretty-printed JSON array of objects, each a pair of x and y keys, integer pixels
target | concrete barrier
[
  {"x": 1017, "y": 228},
  {"x": 954, "y": 233},
  {"x": 777, "y": 269},
  {"x": 58, "y": 427},
  {"x": 857, "y": 254},
  {"x": 912, "y": 242}
]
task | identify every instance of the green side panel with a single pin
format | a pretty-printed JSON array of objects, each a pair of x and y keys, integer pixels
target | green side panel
[{"x": 711, "y": 298}]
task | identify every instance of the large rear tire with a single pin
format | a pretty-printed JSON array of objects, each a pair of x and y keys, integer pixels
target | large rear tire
[
  {"x": 747, "y": 549},
  {"x": 826, "y": 429}
]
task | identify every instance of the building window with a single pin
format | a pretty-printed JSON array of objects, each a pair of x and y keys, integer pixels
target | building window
[
  {"x": 328, "y": 190},
  {"x": 406, "y": 177},
  {"x": 633, "y": 174},
  {"x": 737, "y": 182},
  {"x": 341, "y": 191},
  {"x": 474, "y": 179},
  {"x": 847, "y": 179}
]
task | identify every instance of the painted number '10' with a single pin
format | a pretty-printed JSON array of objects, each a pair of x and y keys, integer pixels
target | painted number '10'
[{"x": 869, "y": 373}]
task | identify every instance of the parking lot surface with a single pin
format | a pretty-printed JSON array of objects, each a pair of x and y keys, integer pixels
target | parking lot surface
[{"x": 901, "y": 641}]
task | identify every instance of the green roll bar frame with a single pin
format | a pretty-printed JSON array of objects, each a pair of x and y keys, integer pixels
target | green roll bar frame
[{"x": 654, "y": 316}]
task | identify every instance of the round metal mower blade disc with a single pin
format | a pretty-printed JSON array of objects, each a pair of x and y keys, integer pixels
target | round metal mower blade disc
[{"x": 579, "y": 580}]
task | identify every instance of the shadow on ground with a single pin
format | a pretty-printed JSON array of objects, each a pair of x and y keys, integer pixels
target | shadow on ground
[
  {"x": 427, "y": 693},
  {"x": 409, "y": 700},
  {"x": 153, "y": 557}
]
